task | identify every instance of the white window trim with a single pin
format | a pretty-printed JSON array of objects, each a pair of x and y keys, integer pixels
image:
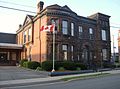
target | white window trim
[
  {"x": 72, "y": 29},
  {"x": 65, "y": 28},
  {"x": 103, "y": 33}
]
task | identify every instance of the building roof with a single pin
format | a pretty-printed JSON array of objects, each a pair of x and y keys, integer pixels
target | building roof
[
  {"x": 7, "y": 38},
  {"x": 10, "y": 46}
]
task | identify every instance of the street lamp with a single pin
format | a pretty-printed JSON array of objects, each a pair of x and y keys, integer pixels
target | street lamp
[{"x": 53, "y": 22}]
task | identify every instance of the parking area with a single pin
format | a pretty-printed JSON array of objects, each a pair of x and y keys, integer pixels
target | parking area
[{"x": 15, "y": 73}]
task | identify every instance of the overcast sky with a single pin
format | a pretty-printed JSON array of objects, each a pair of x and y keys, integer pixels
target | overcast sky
[{"x": 10, "y": 19}]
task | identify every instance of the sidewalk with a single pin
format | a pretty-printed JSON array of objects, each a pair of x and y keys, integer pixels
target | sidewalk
[{"x": 47, "y": 80}]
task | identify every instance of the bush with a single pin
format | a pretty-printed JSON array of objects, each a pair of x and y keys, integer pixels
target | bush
[
  {"x": 25, "y": 64},
  {"x": 68, "y": 65},
  {"x": 78, "y": 68},
  {"x": 32, "y": 64},
  {"x": 22, "y": 62},
  {"x": 61, "y": 69},
  {"x": 81, "y": 66},
  {"x": 47, "y": 65}
]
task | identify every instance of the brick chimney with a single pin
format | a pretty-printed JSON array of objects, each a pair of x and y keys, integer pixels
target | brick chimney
[{"x": 40, "y": 6}]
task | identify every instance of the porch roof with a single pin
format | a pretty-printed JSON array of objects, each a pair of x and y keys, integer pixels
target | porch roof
[{"x": 10, "y": 46}]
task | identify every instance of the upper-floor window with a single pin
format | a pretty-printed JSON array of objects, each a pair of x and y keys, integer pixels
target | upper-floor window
[
  {"x": 106, "y": 24},
  {"x": 72, "y": 29},
  {"x": 29, "y": 33},
  {"x": 24, "y": 36},
  {"x": 56, "y": 22},
  {"x": 104, "y": 35},
  {"x": 80, "y": 32},
  {"x": 65, "y": 27},
  {"x": 90, "y": 33}
]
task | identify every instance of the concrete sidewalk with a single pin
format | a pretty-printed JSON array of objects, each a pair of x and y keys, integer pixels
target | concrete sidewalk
[{"x": 47, "y": 79}]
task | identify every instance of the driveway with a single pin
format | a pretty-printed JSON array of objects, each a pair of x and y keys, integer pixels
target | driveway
[{"x": 14, "y": 73}]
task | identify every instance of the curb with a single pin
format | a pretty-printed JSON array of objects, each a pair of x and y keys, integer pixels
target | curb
[{"x": 24, "y": 82}]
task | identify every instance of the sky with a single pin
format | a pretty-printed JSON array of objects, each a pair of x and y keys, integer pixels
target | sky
[{"x": 10, "y": 19}]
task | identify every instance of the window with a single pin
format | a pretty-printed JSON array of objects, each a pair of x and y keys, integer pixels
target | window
[
  {"x": 56, "y": 22},
  {"x": 65, "y": 27},
  {"x": 104, "y": 54},
  {"x": 80, "y": 32},
  {"x": 103, "y": 34},
  {"x": 64, "y": 48},
  {"x": 65, "y": 55},
  {"x": 29, "y": 34},
  {"x": 106, "y": 24},
  {"x": 24, "y": 36},
  {"x": 78, "y": 57},
  {"x": 90, "y": 33},
  {"x": 72, "y": 29},
  {"x": 72, "y": 48}
]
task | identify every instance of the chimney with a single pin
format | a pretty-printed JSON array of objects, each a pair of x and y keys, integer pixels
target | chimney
[
  {"x": 40, "y": 6},
  {"x": 20, "y": 26}
]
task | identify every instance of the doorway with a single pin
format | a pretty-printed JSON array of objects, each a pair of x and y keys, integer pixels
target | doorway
[{"x": 3, "y": 57}]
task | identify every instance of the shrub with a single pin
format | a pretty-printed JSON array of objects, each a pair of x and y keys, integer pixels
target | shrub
[
  {"x": 118, "y": 65},
  {"x": 61, "y": 69},
  {"x": 68, "y": 65},
  {"x": 22, "y": 62},
  {"x": 33, "y": 64},
  {"x": 47, "y": 65},
  {"x": 78, "y": 68},
  {"x": 25, "y": 64},
  {"x": 81, "y": 66}
]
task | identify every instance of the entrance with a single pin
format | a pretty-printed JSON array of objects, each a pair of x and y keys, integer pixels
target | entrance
[{"x": 3, "y": 57}]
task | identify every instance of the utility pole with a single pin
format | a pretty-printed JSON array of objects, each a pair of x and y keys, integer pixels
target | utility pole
[{"x": 53, "y": 48}]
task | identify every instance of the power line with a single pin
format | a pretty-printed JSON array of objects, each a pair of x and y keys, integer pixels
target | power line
[
  {"x": 35, "y": 12},
  {"x": 17, "y": 4},
  {"x": 115, "y": 23},
  {"x": 114, "y": 27},
  {"x": 17, "y": 9}
]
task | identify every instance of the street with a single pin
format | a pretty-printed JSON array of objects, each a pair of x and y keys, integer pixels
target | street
[
  {"x": 15, "y": 73},
  {"x": 106, "y": 82}
]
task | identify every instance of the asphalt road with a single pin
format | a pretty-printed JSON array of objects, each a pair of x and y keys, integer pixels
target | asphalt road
[
  {"x": 15, "y": 73},
  {"x": 106, "y": 82}
]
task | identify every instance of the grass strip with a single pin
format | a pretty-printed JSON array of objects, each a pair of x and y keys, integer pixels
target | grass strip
[{"x": 84, "y": 76}]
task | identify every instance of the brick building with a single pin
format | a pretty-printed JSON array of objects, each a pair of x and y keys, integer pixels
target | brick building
[{"x": 78, "y": 38}]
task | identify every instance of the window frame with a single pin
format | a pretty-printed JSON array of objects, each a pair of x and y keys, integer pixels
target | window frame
[
  {"x": 72, "y": 28},
  {"x": 104, "y": 35},
  {"x": 65, "y": 51},
  {"x": 24, "y": 36},
  {"x": 29, "y": 33},
  {"x": 80, "y": 29},
  {"x": 64, "y": 27}
]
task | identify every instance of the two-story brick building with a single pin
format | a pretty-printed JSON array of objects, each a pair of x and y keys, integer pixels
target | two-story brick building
[{"x": 78, "y": 38}]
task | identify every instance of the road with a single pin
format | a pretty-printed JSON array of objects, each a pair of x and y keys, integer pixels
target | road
[
  {"x": 15, "y": 73},
  {"x": 106, "y": 82}
]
